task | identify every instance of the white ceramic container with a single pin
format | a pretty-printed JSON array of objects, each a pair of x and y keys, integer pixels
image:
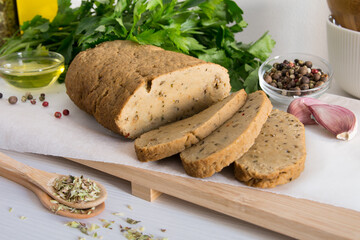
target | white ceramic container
[{"x": 344, "y": 57}]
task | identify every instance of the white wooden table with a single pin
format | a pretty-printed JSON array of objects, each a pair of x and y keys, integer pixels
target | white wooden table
[{"x": 182, "y": 220}]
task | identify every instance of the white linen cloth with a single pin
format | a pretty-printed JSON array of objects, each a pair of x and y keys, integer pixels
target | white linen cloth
[{"x": 331, "y": 175}]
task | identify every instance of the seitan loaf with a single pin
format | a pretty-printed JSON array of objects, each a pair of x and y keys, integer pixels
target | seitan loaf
[
  {"x": 230, "y": 141},
  {"x": 278, "y": 155},
  {"x": 175, "y": 137},
  {"x": 131, "y": 88}
]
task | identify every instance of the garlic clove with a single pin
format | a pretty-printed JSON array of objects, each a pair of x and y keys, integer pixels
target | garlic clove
[
  {"x": 338, "y": 120},
  {"x": 299, "y": 108}
]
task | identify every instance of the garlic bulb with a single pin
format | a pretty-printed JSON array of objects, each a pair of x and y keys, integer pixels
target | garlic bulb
[
  {"x": 299, "y": 108},
  {"x": 338, "y": 120}
]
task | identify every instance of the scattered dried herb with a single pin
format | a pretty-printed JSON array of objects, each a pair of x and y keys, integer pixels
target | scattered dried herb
[
  {"x": 129, "y": 207},
  {"x": 76, "y": 189},
  {"x": 118, "y": 214},
  {"x": 23, "y": 217},
  {"x": 132, "y": 221},
  {"x": 70, "y": 209},
  {"x": 84, "y": 228},
  {"x": 73, "y": 224},
  {"x": 10, "y": 209},
  {"x": 134, "y": 234}
]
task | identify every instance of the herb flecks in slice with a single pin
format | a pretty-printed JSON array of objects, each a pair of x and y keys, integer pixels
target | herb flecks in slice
[{"x": 76, "y": 189}]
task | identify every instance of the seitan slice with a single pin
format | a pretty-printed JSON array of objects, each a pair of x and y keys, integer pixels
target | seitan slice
[
  {"x": 230, "y": 141},
  {"x": 278, "y": 155},
  {"x": 176, "y": 137}
]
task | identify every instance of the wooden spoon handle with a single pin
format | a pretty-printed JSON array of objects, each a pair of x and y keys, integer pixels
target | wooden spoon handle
[
  {"x": 18, "y": 168},
  {"x": 19, "y": 180}
]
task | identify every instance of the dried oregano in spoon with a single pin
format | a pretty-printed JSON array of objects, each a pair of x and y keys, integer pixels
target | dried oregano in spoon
[{"x": 76, "y": 189}]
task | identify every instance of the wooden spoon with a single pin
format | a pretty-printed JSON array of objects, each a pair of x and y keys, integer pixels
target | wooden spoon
[
  {"x": 46, "y": 199},
  {"x": 44, "y": 180}
]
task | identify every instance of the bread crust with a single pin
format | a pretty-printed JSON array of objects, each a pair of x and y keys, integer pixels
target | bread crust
[{"x": 101, "y": 80}]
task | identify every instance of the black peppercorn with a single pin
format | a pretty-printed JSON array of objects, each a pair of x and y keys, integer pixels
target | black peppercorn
[
  {"x": 303, "y": 70},
  {"x": 12, "y": 100},
  {"x": 273, "y": 84},
  {"x": 324, "y": 78},
  {"x": 1, "y": 95},
  {"x": 317, "y": 77},
  {"x": 308, "y": 64},
  {"x": 319, "y": 83},
  {"x": 297, "y": 91},
  {"x": 292, "y": 83},
  {"x": 276, "y": 76},
  {"x": 268, "y": 79},
  {"x": 304, "y": 86},
  {"x": 305, "y": 80}
]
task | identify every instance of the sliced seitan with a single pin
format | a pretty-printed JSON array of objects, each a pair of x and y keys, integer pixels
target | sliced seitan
[
  {"x": 131, "y": 88},
  {"x": 176, "y": 137},
  {"x": 278, "y": 155},
  {"x": 230, "y": 141}
]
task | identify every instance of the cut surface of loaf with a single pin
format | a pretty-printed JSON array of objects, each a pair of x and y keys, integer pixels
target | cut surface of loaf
[
  {"x": 278, "y": 154},
  {"x": 230, "y": 141},
  {"x": 175, "y": 137},
  {"x": 131, "y": 88}
]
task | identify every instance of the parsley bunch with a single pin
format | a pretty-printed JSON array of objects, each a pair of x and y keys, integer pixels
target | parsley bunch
[{"x": 201, "y": 28}]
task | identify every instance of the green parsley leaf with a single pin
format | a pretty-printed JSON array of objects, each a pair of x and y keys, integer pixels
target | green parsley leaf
[{"x": 201, "y": 28}]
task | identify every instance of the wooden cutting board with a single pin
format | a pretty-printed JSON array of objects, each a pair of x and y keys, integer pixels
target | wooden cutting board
[{"x": 298, "y": 218}]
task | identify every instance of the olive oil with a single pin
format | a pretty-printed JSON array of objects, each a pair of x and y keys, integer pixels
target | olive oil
[{"x": 32, "y": 73}]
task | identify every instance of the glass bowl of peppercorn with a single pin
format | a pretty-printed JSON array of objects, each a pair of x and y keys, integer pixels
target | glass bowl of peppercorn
[{"x": 290, "y": 76}]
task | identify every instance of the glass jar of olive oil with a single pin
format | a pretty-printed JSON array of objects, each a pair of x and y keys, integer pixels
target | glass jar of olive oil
[{"x": 31, "y": 69}]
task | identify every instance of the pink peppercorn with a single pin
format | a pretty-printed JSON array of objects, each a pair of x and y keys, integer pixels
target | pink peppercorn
[
  {"x": 45, "y": 104},
  {"x": 57, "y": 114},
  {"x": 66, "y": 112},
  {"x": 33, "y": 102},
  {"x": 314, "y": 71}
]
